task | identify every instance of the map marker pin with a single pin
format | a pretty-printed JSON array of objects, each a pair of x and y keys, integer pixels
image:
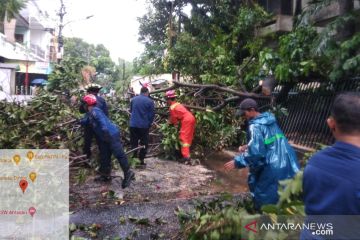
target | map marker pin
[
  {"x": 23, "y": 185},
  {"x": 30, "y": 155},
  {"x": 32, "y": 176},
  {"x": 32, "y": 211},
  {"x": 16, "y": 159}
]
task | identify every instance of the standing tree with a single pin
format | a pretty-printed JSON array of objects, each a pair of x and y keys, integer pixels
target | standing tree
[{"x": 108, "y": 73}]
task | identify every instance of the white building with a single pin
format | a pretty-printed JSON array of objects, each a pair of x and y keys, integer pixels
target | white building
[
  {"x": 27, "y": 49},
  {"x": 151, "y": 82}
]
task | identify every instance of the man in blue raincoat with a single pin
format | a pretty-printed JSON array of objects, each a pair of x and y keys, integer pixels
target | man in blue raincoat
[{"x": 268, "y": 154}]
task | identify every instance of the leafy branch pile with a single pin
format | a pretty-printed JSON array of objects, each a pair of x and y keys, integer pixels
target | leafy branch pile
[
  {"x": 49, "y": 121},
  {"x": 45, "y": 122},
  {"x": 219, "y": 218}
]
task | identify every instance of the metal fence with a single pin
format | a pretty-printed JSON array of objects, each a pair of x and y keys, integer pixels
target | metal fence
[{"x": 308, "y": 108}]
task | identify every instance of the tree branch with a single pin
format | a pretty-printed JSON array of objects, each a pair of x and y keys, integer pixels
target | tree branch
[{"x": 213, "y": 87}]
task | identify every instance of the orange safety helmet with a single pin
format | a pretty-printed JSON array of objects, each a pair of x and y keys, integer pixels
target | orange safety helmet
[
  {"x": 170, "y": 94},
  {"x": 90, "y": 100}
]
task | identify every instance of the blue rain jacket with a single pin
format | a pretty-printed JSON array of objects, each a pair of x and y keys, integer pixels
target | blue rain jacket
[
  {"x": 269, "y": 157},
  {"x": 102, "y": 126}
]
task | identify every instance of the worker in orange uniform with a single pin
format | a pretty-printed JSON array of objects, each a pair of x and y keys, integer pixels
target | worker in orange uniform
[{"x": 178, "y": 113}]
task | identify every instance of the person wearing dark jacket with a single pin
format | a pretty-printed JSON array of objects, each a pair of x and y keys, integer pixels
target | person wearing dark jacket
[
  {"x": 331, "y": 181},
  {"x": 142, "y": 116},
  {"x": 109, "y": 138},
  {"x": 88, "y": 132}
]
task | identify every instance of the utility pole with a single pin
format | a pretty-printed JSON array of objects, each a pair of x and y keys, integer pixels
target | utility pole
[{"x": 61, "y": 14}]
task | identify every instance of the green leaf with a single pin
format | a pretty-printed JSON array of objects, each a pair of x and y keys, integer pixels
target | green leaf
[
  {"x": 72, "y": 227},
  {"x": 122, "y": 220}
]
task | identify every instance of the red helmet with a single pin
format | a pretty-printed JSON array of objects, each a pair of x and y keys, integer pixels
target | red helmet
[
  {"x": 170, "y": 94},
  {"x": 90, "y": 100}
]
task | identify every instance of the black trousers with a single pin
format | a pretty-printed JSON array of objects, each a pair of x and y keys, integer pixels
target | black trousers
[
  {"x": 142, "y": 135},
  {"x": 88, "y": 137},
  {"x": 113, "y": 147}
]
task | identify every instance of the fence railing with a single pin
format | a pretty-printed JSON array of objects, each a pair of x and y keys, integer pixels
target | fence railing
[{"x": 309, "y": 106}]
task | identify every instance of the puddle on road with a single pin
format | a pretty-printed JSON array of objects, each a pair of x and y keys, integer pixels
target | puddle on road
[{"x": 234, "y": 181}]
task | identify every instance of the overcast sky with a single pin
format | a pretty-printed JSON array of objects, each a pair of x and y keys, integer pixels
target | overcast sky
[{"x": 114, "y": 23}]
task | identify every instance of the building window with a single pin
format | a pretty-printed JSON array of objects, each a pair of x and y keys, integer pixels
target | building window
[{"x": 19, "y": 38}]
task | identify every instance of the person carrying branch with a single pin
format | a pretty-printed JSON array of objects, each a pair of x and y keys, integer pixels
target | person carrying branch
[
  {"x": 178, "y": 113},
  {"x": 109, "y": 139},
  {"x": 268, "y": 154}
]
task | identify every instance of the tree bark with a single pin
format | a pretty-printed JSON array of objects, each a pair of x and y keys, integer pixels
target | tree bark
[
  {"x": 211, "y": 87},
  {"x": 348, "y": 29}
]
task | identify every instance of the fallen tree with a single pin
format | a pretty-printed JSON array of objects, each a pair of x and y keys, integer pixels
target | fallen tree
[
  {"x": 204, "y": 93},
  {"x": 50, "y": 120}
]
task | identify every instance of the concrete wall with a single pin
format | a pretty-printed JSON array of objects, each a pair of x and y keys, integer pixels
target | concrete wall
[
  {"x": 38, "y": 37},
  {"x": 7, "y": 82}
]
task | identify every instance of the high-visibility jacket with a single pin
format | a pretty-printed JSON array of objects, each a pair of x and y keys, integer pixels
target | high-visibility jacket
[{"x": 178, "y": 113}]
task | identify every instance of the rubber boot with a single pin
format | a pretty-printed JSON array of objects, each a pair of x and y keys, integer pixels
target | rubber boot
[
  {"x": 102, "y": 178},
  {"x": 128, "y": 177},
  {"x": 185, "y": 160},
  {"x": 142, "y": 163}
]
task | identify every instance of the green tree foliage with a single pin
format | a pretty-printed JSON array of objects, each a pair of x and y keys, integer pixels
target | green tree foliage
[
  {"x": 217, "y": 43},
  {"x": 9, "y": 8},
  {"x": 214, "y": 131},
  {"x": 349, "y": 62},
  {"x": 339, "y": 40},
  {"x": 109, "y": 73},
  {"x": 153, "y": 32},
  {"x": 215, "y": 219},
  {"x": 209, "y": 45},
  {"x": 66, "y": 75},
  {"x": 294, "y": 55},
  {"x": 94, "y": 55},
  {"x": 123, "y": 73},
  {"x": 39, "y": 124},
  {"x": 150, "y": 62}
]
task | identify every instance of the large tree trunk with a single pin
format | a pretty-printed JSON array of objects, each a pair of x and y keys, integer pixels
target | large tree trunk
[{"x": 348, "y": 29}]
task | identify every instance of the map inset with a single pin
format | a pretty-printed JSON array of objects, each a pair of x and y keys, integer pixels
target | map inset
[{"x": 34, "y": 186}]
